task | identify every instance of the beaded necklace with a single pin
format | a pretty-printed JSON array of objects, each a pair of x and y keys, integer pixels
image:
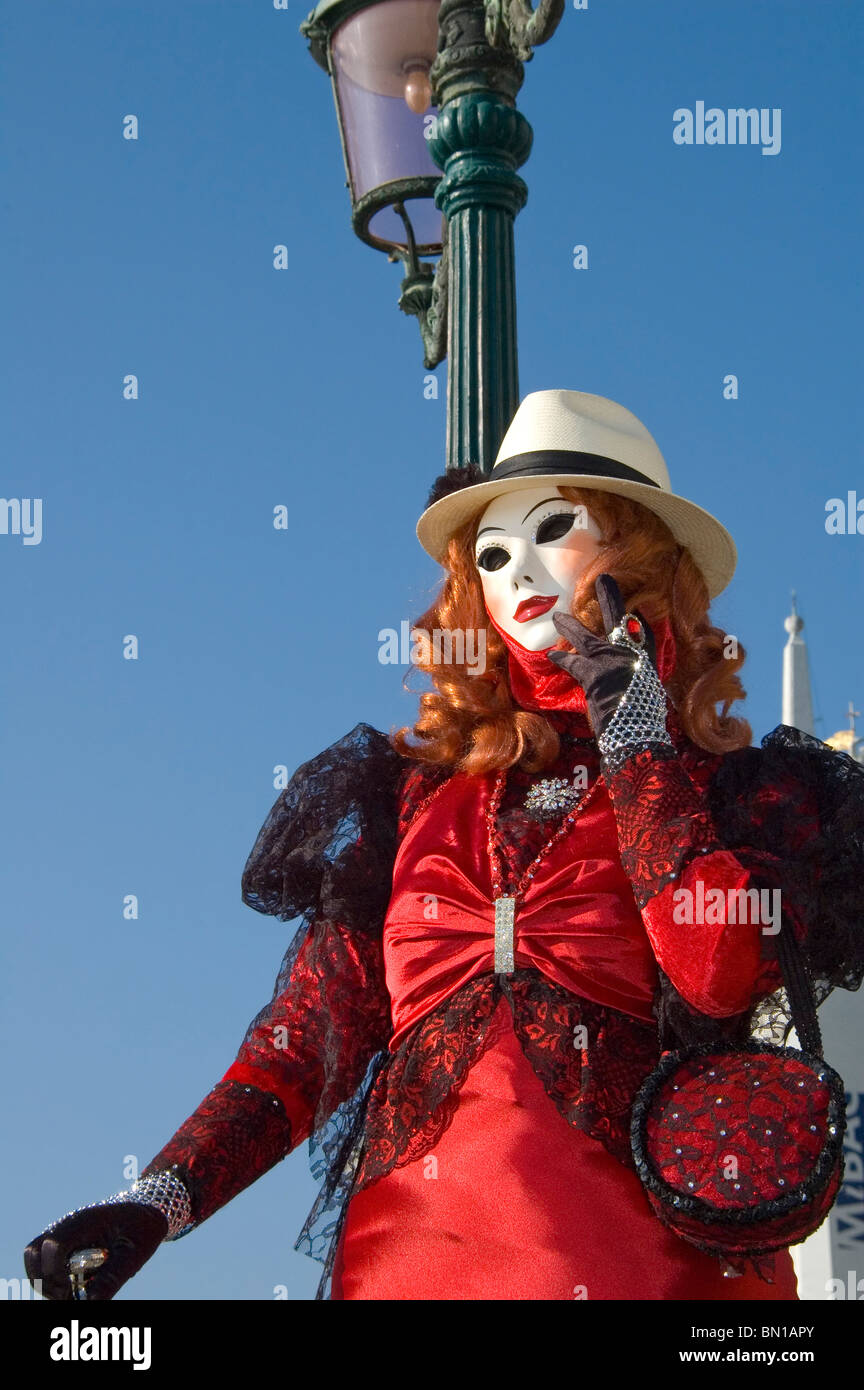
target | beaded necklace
[{"x": 505, "y": 904}]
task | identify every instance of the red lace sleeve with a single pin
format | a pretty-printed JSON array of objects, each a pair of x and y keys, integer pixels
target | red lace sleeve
[
  {"x": 701, "y": 909},
  {"x": 234, "y": 1136}
]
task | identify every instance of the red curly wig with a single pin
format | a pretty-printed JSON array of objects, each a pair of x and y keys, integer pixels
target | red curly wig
[{"x": 471, "y": 722}]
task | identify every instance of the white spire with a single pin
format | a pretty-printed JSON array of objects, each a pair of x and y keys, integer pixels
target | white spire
[{"x": 797, "y": 700}]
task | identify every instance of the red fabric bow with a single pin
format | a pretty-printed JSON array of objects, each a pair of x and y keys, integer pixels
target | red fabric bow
[{"x": 577, "y": 920}]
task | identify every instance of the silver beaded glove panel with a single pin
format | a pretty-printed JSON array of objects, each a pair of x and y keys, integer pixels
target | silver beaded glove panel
[
  {"x": 162, "y": 1190},
  {"x": 639, "y": 720},
  {"x": 166, "y": 1192}
]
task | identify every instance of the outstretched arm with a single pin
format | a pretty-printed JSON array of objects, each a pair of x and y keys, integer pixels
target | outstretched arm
[{"x": 303, "y": 1055}]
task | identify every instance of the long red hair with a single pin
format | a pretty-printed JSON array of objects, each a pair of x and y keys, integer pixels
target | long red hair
[{"x": 471, "y": 722}]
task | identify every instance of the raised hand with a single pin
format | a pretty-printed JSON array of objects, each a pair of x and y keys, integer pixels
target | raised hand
[{"x": 626, "y": 701}]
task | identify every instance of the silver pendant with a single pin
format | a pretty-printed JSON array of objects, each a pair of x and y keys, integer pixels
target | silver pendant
[{"x": 505, "y": 913}]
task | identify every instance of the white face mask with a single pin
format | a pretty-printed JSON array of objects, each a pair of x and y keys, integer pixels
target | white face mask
[{"x": 532, "y": 544}]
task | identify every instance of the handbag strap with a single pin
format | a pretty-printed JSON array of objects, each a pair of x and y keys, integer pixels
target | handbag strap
[{"x": 798, "y": 989}]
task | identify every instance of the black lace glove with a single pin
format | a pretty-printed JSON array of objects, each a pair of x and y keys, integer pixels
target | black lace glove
[
  {"x": 626, "y": 702},
  {"x": 130, "y": 1231}
]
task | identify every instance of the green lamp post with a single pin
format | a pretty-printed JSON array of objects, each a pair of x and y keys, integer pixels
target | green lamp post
[{"x": 425, "y": 97}]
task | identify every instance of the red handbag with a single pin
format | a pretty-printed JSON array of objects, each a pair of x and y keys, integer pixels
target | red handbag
[{"x": 740, "y": 1149}]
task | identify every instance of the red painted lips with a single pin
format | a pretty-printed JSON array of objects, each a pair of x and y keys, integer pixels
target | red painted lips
[{"x": 532, "y": 608}]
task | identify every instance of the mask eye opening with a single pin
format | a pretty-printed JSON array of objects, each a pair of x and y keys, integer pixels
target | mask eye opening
[
  {"x": 492, "y": 549},
  {"x": 560, "y": 530}
]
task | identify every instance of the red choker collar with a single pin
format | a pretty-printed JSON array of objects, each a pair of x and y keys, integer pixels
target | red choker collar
[{"x": 538, "y": 684}]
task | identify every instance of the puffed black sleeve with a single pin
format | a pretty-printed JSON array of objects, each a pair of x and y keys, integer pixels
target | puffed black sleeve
[
  {"x": 800, "y": 805},
  {"x": 328, "y": 844}
]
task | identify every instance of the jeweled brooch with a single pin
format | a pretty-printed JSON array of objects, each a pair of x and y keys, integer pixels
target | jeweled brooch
[{"x": 553, "y": 794}]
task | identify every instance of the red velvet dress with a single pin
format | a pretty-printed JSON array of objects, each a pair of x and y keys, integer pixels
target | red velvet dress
[
  {"x": 514, "y": 1202},
  {"x": 471, "y": 1129}
]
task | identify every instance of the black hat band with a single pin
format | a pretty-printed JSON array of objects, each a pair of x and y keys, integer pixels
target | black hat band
[{"x": 542, "y": 461}]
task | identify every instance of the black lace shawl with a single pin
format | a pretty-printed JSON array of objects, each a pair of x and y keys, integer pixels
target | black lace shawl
[{"x": 792, "y": 810}]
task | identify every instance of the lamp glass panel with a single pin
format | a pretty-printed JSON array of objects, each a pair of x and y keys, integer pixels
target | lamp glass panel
[
  {"x": 426, "y": 222},
  {"x": 373, "y": 53}
]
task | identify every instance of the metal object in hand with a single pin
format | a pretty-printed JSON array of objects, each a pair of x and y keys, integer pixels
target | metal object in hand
[
  {"x": 81, "y": 1264},
  {"x": 628, "y": 632}
]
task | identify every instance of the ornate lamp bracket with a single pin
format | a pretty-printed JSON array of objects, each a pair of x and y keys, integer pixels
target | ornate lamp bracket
[
  {"x": 516, "y": 25},
  {"x": 424, "y": 292}
]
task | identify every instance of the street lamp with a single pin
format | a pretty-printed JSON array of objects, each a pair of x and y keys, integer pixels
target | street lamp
[
  {"x": 378, "y": 54},
  {"x": 417, "y": 81}
]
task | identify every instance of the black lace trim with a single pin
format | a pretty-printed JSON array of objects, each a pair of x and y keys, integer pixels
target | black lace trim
[
  {"x": 325, "y": 854},
  {"x": 795, "y": 809}
]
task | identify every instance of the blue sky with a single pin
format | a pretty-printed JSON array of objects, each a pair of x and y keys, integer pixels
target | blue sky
[{"x": 305, "y": 387}]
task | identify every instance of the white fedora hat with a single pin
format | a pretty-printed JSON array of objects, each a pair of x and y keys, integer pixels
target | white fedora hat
[{"x": 574, "y": 439}]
